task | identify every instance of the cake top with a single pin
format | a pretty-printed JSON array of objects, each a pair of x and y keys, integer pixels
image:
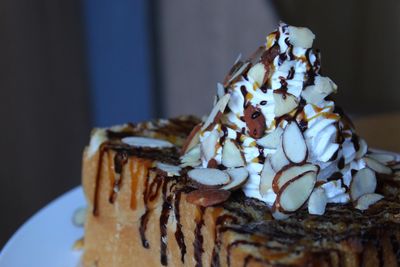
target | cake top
[{"x": 276, "y": 133}]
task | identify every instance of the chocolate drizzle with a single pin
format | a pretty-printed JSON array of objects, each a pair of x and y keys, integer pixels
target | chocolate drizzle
[
  {"x": 120, "y": 159},
  {"x": 221, "y": 220},
  {"x": 166, "y": 208},
  {"x": 198, "y": 237},
  {"x": 180, "y": 239},
  {"x": 97, "y": 183}
]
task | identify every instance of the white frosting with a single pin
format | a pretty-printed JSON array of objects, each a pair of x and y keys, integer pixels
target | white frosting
[{"x": 295, "y": 71}]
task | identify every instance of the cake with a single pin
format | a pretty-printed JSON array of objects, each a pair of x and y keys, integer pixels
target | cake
[{"x": 275, "y": 176}]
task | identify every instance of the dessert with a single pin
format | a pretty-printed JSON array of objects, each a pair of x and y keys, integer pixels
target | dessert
[{"x": 274, "y": 176}]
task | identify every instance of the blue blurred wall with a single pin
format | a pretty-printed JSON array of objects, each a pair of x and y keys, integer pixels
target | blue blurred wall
[{"x": 117, "y": 36}]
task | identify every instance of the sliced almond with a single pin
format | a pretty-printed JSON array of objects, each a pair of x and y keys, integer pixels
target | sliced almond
[
  {"x": 218, "y": 108},
  {"x": 290, "y": 172},
  {"x": 272, "y": 139},
  {"x": 301, "y": 37},
  {"x": 238, "y": 73},
  {"x": 192, "y": 140},
  {"x": 278, "y": 215},
  {"x": 284, "y": 103},
  {"x": 363, "y": 148},
  {"x": 377, "y": 166},
  {"x": 171, "y": 170},
  {"x": 278, "y": 159},
  {"x": 138, "y": 141},
  {"x": 257, "y": 73},
  {"x": 192, "y": 157},
  {"x": 231, "y": 155},
  {"x": 384, "y": 158},
  {"x": 238, "y": 178},
  {"x": 209, "y": 145},
  {"x": 255, "y": 121},
  {"x": 209, "y": 177},
  {"x": 363, "y": 182},
  {"x": 317, "y": 202},
  {"x": 220, "y": 90},
  {"x": 296, "y": 192},
  {"x": 365, "y": 201},
  {"x": 266, "y": 177},
  {"x": 323, "y": 86},
  {"x": 294, "y": 144},
  {"x": 207, "y": 197}
]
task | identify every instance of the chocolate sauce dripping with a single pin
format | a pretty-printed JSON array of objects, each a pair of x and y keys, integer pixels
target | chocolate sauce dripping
[
  {"x": 166, "y": 208},
  {"x": 120, "y": 159},
  {"x": 180, "y": 238},
  {"x": 198, "y": 238},
  {"x": 215, "y": 262},
  {"x": 97, "y": 183},
  {"x": 149, "y": 194},
  {"x": 225, "y": 134}
]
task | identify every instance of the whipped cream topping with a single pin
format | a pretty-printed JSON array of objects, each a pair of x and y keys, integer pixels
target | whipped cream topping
[{"x": 279, "y": 85}]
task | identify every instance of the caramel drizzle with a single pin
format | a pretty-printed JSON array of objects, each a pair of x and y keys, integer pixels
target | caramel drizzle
[
  {"x": 95, "y": 210},
  {"x": 120, "y": 159},
  {"x": 111, "y": 175},
  {"x": 198, "y": 240},
  {"x": 134, "y": 182}
]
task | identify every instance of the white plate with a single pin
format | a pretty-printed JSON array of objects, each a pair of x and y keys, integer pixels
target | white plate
[{"x": 46, "y": 239}]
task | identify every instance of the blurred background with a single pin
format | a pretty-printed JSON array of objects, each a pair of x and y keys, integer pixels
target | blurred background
[{"x": 67, "y": 66}]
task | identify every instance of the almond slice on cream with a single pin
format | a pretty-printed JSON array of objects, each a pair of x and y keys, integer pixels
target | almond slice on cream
[
  {"x": 365, "y": 201},
  {"x": 218, "y": 108},
  {"x": 266, "y": 177},
  {"x": 363, "y": 182},
  {"x": 363, "y": 148},
  {"x": 209, "y": 177},
  {"x": 171, "y": 170},
  {"x": 139, "y": 141},
  {"x": 209, "y": 145},
  {"x": 296, "y": 192},
  {"x": 377, "y": 166},
  {"x": 290, "y": 172},
  {"x": 192, "y": 140},
  {"x": 301, "y": 36},
  {"x": 272, "y": 139},
  {"x": 294, "y": 144},
  {"x": 317, "y": 201},
  {"x": 284, "y": 103},
  {"x": 238, "y": 178},
  {"x": 257, "y": 73},
  {"x": 278, "y": 159},
  {"x": 384, "y": 158},
  {"x": 231, "y": 154},
  {"x": 207, "y": 197},
  {"x": 192, "y": 157}
]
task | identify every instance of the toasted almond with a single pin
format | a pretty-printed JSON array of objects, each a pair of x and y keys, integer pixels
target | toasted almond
[
  {"x": 170, "y": 170},
  {"x": 296, "y": 192},
  {"x": 377, "y": 166},
  {"x": 207, "y": 197},
  {"x": 218, "y": 108},
  {"x": 363, "y": 148},
  {"x": 284, "y": 103},
  {"x": 278, "y": 159},
  {"x": 363, "y": 182},
  {"x": 191, "y": 158},
  {"x": 300, "y": 36},
  {"x": 238, "y": 178},
  {"x": 323, "y": 86},
  {"x": 272, "y": 139},
  {"x": 290, "y": 172},
  {"x": 231, "y": 155},
  {"x": 238, "y": 73},
  {"x": 277, "y": 214},
  {"x": 220, "y": 90},
  {"x": 384, "y": 158},
  {"x": 192, "y": 140},
  {"x": 209, "y": 177},
  {"x": 257, "y": 73},
  {"x": 138, "y": 141},
  {"x": 317, "y": 202},
  {"x": 266, "y": 177},
  {"x": 255, "y": 121},
  {"x": 365, "y": 201},
  {"x": 209, "y": 145},
  {"x": 294, "y": 144}
]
